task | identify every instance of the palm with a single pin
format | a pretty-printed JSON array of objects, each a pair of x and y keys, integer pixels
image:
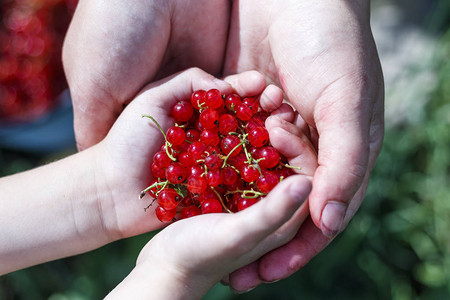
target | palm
[{"x": 132, "y": 142}]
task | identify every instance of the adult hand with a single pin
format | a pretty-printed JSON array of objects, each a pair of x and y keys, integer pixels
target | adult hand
[
  {"x": 323, "y": 55},
  {"x": 113, "y": 48}
]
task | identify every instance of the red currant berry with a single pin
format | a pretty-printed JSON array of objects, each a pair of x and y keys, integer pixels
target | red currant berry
[
  {"x": 176, "y": 173},
  {"x": 196, "y": 184},
  {"x": 168, "y": 199},
  {"x": 227, "y": 124},
  {"x": 198, "y": 99},
  {"x": 207, "y": 194},
  {"x": 209, "y": 118},
  {"x": 213, "y": 162},
  {"x": 232, "y": 203},
  {"x": 158, "y": 172},
  {"x": 161, "y": 159},
  {"x": 212, "y": 150},
  {"x": 210, "y": 137},
  {"x": 199, "y": 126},
  {"x": 211, "y": 206},
  {"x": 214, "y": 177},
  {"x": 190, "y": 211},
  {"x": 252, "y": 103},
  {"x": 244, "y": 203},
  {"x": 250, "y": 173},
  {"x": 232, "y": 101},
  {"x": 258, "y": 137},
  {"x": 257, "y": 120},
  {"x": 284, "y": 173},
  {"x": 182, "y": 111},
  {"x": 231, "y": 145},
  {"x": 214, "y": 99},
  {"x": 269, "y": 157},
  {"x": 164, "y": 215},
  {"x": 196, "y": 170},
  {"x": 238, "y": 161},
  {"x": 175, "y": 135},
  {"x": 185, "y": 159},
  {"x": 192, "y": 135},
  {"x": 243, "y": 112},
  {"x": 187, "y": 201},
  {"x": 267, "y": 181},
  {"x": 229, "y": 175},
  {"x": 238, "y": 185},
  {"x": 197, "y": 150}
]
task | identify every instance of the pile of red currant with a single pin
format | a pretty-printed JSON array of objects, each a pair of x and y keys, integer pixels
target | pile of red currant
[
  {"x": 217, "y": 157},
  {"x": 31, "y": 38}
]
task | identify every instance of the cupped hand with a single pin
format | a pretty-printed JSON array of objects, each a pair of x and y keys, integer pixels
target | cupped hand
[
  {"x": 323, "y": 55},
  {"x": 195, "y": 253},
  {"x": 127, "y": 151},
  {"x": 113, "y": 48}
]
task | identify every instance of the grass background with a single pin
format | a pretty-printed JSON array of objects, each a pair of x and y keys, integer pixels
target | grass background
[{"x": 396, "y": 247}]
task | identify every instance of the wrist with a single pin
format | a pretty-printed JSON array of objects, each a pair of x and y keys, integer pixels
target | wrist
[
  {"x": 156, "y": 278},
  {"x": 56, "y": 215}
]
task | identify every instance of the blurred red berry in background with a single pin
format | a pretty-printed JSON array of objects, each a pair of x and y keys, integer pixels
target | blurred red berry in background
[{"x": 31, "y": 73}]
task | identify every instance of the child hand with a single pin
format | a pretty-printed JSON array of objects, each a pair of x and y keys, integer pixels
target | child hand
[
  {"x": 188, "y": 257},
  {"x": 126, "y": 153}
]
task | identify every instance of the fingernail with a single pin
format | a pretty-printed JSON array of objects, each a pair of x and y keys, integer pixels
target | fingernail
[
  {"x": 332, "y": 218},
  {"x": 271, "y": 281},
  {"x": 242, "y": 292}
]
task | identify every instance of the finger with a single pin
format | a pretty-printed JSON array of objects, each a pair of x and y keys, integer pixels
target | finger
[
  {"x": 343, "y": 164},
  {"x": 225, "y": 280},
  {"x": 292, "y": 143},
  {"x": 284, "y": 112},
  {"x": 247, "y": 84},
  {"x": 286, "y": 260},
  {"x": 246, "y": 278},
  {"x": 92, "y": 121},
  {"x": 265, "y": 217},
  {"x": 180, "y": 86},
  {"x": 287, "y": 113},
  {"x": 271, "y": 98}
]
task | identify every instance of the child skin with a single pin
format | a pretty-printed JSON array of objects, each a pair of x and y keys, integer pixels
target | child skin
[{"x": 89, "y": 199}]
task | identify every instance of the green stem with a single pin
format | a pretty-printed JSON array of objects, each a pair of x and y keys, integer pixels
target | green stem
[
  {"x": 248, "y": 194},
  {"x": 157, "y": 124},
  {"x": 164, "y": 183},
  {"x": 168, "y": 145},
  {"x": 226, "y": 158},
  {"x": 221, "y": 201},
  {"x": 291, "y": 167}
]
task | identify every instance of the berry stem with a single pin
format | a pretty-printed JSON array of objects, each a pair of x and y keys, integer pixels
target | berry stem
[
  {"x": 221, "y": 201},
  {"x": 291, "y": 167},
  {"x": 163, "y": 184},
  {"x": 168, "y": 145},
  {"x": 232, "y": 150},
  {"x": 157, "y": 124},
  {"x": 248, "y": 194}
]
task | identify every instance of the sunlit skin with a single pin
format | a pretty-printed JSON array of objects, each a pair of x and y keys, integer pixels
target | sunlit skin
[{"x": 321, "y": 54}]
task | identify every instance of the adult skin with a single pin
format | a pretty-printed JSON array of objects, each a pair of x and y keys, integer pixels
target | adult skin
[
  {"x": 321, "y": 53},
  {"x": 113, "y": 48}
]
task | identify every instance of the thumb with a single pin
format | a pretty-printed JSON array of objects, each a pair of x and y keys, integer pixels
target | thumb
[
  {"x": 93, "y": 120},
  {"x": 343, "y": 164}
]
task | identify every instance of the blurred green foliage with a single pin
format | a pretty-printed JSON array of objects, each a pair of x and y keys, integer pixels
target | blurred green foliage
[{"x": 396, "y": 247}]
